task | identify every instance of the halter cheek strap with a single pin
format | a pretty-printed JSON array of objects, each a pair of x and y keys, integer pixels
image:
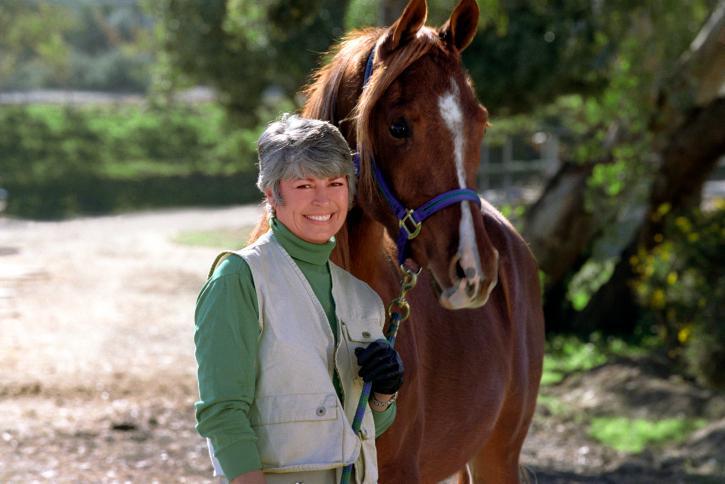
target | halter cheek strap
[{"x": 410, "y": 221}]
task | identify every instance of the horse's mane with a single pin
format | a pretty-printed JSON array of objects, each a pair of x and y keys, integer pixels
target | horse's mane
[
  {"x": 347, "y": 56},
  {"x": 322, "y": 92}
]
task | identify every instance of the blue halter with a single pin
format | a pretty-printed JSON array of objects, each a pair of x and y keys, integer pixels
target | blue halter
[{"x": 410, "y": 221}]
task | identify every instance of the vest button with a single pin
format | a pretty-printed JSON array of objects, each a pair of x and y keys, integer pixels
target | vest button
[
  {"x": 321, "y": 411},
  {"x": 366, "y": 334}
]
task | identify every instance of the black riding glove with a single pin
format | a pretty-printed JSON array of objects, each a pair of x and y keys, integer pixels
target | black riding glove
[{"x": 382, "y": 365}]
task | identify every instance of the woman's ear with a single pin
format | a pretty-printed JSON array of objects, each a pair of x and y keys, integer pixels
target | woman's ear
[{"x": 269, "y": 197}]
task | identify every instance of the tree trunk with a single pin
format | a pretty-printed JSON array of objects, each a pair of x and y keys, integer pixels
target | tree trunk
[
  {"x": 688, "y": 137},
  {"x": 556, "y": 226}
]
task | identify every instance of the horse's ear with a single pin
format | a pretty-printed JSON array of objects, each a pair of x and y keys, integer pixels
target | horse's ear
[
  {"x": 460, "y": 29},
  {"x": 405, "y": 28}
]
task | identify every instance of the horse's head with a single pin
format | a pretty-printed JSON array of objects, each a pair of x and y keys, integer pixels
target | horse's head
[{"x": 419, "y": 119}]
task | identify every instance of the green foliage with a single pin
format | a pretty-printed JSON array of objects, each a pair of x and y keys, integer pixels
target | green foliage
[
  {"x": 249, "y": 51},
  {"x": 587, "y": 281},
  {"x": 680, "y": 284},
  {"x": 553, "y": 405},
  {"x": 62, "y": 160},
  {"x": 634, "y": 435},
  {"x": 76, "y": 44},
  {"x": 608, "y": 130},
  {"x": 362, "y": 13},
  {"x": 568, "y": 354},
  {"x": 32, "y": 38}
]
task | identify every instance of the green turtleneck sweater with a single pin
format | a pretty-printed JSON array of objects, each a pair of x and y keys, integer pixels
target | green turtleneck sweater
[{"x": 226, "y": 339}]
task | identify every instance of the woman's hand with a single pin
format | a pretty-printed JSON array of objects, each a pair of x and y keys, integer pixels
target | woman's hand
[
  {"x": 252, "y": 477},
  {"x": 382, "y": 365}
]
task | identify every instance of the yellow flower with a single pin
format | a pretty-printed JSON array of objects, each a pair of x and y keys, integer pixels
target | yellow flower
[
  {"x": 684, "y": 333},
  {"x": 683, "y": 224},
  {"x": 658, "y": 299},
  {"x": 672, "y": 278}
]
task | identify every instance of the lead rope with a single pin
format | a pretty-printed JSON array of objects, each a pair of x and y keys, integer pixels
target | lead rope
[{"x": 398, "y": 311}]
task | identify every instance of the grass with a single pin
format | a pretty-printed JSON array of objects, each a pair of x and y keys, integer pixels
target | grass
[
  {"x": 218, "y": 238},
  {"x": 568, "y": 354},
  {"x": 554, "y": 405},
  {"x": 634, "y": 435}
]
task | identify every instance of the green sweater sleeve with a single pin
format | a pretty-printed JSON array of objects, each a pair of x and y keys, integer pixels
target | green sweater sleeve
[
  {"x": 383, "y": 420},
  {"x": 226, "y": 337}
]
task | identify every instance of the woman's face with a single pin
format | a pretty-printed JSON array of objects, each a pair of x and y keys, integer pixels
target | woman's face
[{"x": 312, "y": 208}]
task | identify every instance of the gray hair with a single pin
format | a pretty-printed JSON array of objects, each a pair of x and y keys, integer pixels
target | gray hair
[{"x": 294, "y": 147}]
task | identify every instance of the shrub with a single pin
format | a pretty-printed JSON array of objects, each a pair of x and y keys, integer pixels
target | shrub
[
  {"x": 58, "y": 160},
  {"x": 681, "y": 287}
]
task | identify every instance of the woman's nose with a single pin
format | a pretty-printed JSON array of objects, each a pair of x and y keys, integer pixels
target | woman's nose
[{"x": 321, "y": 195}]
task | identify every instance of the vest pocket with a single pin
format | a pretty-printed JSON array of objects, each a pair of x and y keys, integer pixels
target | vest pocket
[
  {"x": 297, "y": 430},
  {"x": 360, "y": 334},
  {"x": 296, "y": 407}
]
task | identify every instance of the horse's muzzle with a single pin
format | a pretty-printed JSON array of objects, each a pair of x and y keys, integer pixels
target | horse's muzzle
[{"x": 470, "y": 286}]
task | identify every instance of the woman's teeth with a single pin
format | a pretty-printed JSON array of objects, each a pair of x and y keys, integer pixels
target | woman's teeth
[{"x": 320, "y": 218}]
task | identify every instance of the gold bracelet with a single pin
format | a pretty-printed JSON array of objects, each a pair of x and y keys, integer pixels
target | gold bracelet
[{"x": 383, "y": 405}]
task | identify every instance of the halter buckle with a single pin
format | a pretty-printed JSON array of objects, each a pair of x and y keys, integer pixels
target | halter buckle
[{"x": 407, "y": 222}]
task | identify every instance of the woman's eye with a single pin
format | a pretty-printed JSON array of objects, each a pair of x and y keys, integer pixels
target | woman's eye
[{"x": 399, "y": 129}]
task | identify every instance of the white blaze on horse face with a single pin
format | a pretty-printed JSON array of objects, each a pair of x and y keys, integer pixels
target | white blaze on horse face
[{"x": 468, "y": 287}]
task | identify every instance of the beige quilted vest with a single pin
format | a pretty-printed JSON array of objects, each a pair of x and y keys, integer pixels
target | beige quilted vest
[{"x": 299, "y": 420}]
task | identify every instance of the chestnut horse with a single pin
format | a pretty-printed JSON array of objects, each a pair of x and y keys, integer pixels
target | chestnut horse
[{"x": 473, "y": 346}]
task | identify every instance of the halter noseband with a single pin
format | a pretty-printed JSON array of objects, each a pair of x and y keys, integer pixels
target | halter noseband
[{"x": 410, "y": 221}]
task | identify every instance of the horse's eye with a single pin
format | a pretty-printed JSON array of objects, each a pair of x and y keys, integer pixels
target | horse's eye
[{"x": 399, "y": 129}]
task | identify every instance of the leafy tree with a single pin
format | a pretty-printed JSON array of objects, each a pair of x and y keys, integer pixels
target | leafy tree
[
  {"x": 32, "y": 37},
  {"x": 252, "y": 52},
  {"x": 644, "y": 148},
  {"x": 77, "y": 44}
]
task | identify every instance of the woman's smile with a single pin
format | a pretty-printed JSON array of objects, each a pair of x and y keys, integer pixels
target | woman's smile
[{"x": 319, "y": 218}]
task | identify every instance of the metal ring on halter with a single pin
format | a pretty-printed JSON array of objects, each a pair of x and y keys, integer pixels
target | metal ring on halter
[
  {"x": 400, "y": 306},
  {"x": 410, "y": 278},
  {"x": 407, "y": 220}
]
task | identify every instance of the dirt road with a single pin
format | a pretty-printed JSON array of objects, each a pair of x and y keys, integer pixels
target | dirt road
[
  {"x": 96, "y": 368},
  {"x": 97, "y": 372}
]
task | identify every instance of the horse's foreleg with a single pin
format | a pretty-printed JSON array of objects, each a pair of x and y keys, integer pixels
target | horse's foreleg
[{"x": 498, "y": 461}]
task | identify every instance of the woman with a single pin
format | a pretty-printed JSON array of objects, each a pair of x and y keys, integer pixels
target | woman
[{"x": 283, "y": 335}]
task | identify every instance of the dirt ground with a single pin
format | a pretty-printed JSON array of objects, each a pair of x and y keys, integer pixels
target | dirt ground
[{"x": 97, "y": 371}]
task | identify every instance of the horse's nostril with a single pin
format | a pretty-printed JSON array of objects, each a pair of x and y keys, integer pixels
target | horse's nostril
[{"x": 460, "y": 273}]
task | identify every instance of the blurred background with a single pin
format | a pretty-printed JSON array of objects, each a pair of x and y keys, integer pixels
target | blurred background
[{"x": 127, "y": 134}]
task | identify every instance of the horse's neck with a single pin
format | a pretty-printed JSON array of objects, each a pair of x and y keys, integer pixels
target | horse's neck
[{"x": 364, "y": 250}]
